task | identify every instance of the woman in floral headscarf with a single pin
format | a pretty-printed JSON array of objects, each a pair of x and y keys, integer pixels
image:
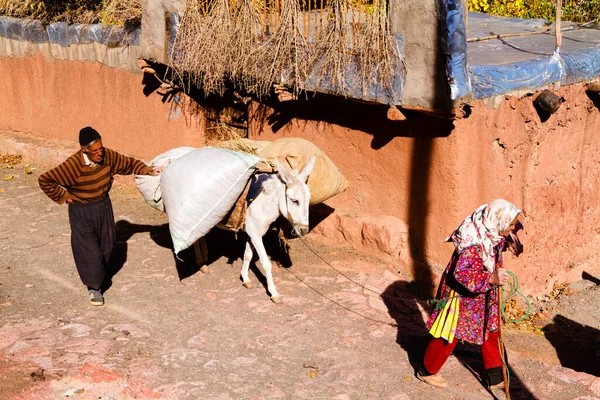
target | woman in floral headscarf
[{"x": 467, "y": 299}]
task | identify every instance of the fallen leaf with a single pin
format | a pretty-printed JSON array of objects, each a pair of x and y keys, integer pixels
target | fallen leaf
[
  {"x": 9, "y": 177},
  {"x": 312, "y": 374}
]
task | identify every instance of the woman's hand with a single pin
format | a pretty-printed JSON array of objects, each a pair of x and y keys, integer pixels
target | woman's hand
[{"x": 499, "y": 277}]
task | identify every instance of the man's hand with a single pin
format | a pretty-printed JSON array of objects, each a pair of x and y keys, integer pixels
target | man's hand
[
  {"x": 156, "y": 171},
  {"x": 499, "y": 277}
]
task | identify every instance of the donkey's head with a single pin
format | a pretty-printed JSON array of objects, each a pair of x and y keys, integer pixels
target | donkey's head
[{"x": 294, "y": 205}]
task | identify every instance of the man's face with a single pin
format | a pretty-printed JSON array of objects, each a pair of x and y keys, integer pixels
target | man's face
[{"x": 95, "y": 152}]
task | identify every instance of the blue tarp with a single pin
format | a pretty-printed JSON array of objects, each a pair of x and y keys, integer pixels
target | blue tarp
[
  {"x": 65, "y": 35},
  {"x": 525, "y": 59},
  {"x": 371, "y": 92},
  {"x": 454, "y": 44}
]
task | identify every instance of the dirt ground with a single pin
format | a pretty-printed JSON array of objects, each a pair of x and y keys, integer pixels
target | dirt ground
[{"x": 350, "y": 327}]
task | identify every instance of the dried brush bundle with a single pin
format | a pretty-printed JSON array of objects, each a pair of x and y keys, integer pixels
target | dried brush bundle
[
  {"x": 333, "y": 54},
  {"x": 121, "y": 12},
  {"x": 49, "y": 11},
  {"x": 201, "y": 45},
  {"x": 245, "y": 37},
  {"x": 377, "y": 51},
  {"x": 224, "y": 137},
  {"x": 184, "y": 51},
  {"x": 282, "y": 58}
]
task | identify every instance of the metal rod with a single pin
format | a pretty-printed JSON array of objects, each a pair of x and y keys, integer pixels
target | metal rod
[
  {"x": 271, "y": 16},
  {"x": 321, "y": 19},
  {"x": 278, "y": 11},
  {"x": 308, "y": 37},
  {"x": 360, "y": 11},
  {"x": 304, "y": 17}
]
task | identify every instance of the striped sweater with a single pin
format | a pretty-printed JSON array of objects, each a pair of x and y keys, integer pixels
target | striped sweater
[{"x": 87, "y": 183}]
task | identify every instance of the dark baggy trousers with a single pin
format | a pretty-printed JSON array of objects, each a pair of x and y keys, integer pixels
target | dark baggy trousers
[{"x": 93, "y": 238}]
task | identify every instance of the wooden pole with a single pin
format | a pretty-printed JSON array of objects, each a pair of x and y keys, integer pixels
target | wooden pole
[
  {"x": 466, "y": 12},
  {"x": 557, "y": 25},
  {"x": 502, "y": 353}
]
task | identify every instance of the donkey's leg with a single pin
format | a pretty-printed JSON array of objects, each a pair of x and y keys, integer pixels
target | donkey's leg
[
  {"x": 201, "y": 252},
  {"x": 248, "y": 253},
  {"x": 266, "y": 266}
]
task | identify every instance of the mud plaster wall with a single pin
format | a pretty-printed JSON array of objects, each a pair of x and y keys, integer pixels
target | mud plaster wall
[
  {"x": 54, "y": 99},
  {"x": 550, "y": 169}
]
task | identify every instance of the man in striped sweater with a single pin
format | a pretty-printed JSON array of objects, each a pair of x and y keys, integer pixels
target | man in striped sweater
[{"x": 83, "y": 182}]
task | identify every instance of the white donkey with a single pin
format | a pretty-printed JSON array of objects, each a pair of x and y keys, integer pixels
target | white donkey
[{"x": 284, "y": 193}]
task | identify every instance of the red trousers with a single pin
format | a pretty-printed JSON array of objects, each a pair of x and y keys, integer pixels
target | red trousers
[{"x": 438, "y": 351}]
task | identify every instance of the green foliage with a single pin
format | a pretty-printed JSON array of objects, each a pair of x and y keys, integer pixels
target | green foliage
[
  {"x": 482, "y": 6},
  {"x": 572, "y": 10}
]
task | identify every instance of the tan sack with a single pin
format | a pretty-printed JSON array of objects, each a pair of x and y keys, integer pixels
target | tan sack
[{"x": 325, "y": 181}]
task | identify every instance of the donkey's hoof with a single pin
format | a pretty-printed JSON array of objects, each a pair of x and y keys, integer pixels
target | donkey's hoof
[
  {"x": 204, "y": 269},
  {"x": 276, "y": 299},
  {"x": 249, "y": 285}
]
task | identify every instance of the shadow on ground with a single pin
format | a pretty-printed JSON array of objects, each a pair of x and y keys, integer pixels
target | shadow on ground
[
  {"x": 220, "y": 244},
  {"x": 404, "y": 301},
  {"x": 577, "y": 345}
]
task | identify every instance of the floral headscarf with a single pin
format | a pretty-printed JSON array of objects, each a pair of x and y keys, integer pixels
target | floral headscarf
[{"x": 482, "y": 229}]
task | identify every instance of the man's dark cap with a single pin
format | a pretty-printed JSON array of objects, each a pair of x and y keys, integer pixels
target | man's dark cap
[{"x": 87, "y": 135}]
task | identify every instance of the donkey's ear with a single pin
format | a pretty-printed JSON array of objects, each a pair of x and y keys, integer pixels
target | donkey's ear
[
  {"x": 308, "y": 169},
  {"x": 283, "y": 171}
]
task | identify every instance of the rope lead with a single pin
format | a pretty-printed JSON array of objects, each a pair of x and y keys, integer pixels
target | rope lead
[{"x": 508, "y": 293}]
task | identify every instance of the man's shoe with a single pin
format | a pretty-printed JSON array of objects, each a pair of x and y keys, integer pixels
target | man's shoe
[
  {"x": 433, "y": 380},
  {"x": 96, "y": 298},
  {"x": 498, "y": 391}
]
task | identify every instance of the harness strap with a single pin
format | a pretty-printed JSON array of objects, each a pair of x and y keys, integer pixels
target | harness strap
[{"x": 256, "y": 186}]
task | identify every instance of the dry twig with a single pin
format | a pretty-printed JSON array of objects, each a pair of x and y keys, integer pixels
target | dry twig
[
  {"x": 282, "y": 58},
  {"x": 332, "y": 56},
  {"x": 378, "y": 53}
]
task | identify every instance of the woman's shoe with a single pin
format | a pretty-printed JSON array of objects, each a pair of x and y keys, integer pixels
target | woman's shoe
[{"x": 433, "y": 380}]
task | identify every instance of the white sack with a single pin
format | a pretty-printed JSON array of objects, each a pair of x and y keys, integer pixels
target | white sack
[
  {"x": 200, "y": 188},
  {"x": 149, "y": 185}
]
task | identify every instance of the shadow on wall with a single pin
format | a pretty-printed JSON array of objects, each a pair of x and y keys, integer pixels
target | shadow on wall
[
  {"x": 210, "y": 106},
  {"x": 594, "y": 97},
  {"x": 370, "y": 118}
]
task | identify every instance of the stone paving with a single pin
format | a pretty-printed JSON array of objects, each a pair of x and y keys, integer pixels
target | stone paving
[{"x": 205, "y": 336}]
